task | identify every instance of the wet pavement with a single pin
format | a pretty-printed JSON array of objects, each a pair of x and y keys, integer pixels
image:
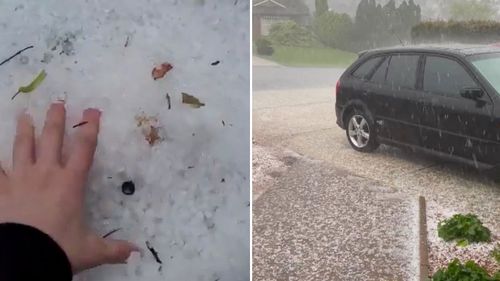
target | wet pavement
[{"x": 321, "y": 223}]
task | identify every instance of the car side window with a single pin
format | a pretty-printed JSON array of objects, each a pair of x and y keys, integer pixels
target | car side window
[
  {"x": 446, "y": 77},
  {"x": 365, "y": 69},
  {"x": 402, "y": 71},
  {"x": 379, "y": 75}
]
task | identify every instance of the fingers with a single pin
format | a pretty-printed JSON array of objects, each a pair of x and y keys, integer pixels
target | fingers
[
  {"x": 52, "y": 137},
  {"x": 117, "y": 251},
  {"x": 104, "y": 251},
  {"x": 82, "y": 156},
  {"x": 24, "y": 142},
  {"x": 3, "y": 176}
]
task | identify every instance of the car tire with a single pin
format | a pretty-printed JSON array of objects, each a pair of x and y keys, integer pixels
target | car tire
[{"x": 360, "y": 131}]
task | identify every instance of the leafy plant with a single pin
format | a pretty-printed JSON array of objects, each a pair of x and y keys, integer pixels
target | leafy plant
[
  {"x": 289, "y": 33},
  {"x": 457, "y": 271},
  {"x": 496, "y": 253},
  {"x": 334, "y": 30},
  {"x": 264, "y": 47},
  {"x": 463, "y": 228}
]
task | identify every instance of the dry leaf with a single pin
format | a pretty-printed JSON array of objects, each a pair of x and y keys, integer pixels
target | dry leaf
[
  {"x": 150, "y": 128},
  {"x": 191, "y": 100},
  {"x": 160, "y": 70},
  {"x": 153, "y": 136}
]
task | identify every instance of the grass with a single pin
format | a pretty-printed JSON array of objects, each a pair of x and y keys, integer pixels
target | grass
[{"x": 318, "y": 57}]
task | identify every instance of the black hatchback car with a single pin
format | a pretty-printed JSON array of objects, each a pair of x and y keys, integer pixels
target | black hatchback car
[{"x": 441, "y": 100}]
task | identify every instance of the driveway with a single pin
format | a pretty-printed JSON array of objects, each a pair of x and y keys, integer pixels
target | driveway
[{"x": 292, "y": 112}]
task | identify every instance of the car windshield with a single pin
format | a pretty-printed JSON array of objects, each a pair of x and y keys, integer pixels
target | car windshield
[{"x": 489, "y": 66}]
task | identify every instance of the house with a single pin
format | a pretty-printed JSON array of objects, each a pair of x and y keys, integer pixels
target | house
[{"x": 269, "y": 12}]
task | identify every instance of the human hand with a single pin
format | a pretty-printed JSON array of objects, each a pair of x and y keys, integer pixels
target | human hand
[{"x": 45, "y": 189}]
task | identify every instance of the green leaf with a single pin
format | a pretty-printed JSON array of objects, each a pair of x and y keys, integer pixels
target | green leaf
[
  {"x": 34, "y": 84},
  {"x": 465, "y": 229}
]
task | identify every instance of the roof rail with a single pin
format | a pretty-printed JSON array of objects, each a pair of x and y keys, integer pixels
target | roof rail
[{"x": 360, "y": 54}]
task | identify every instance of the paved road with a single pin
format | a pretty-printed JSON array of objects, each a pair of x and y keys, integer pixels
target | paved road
[
  {"x": 275, "y": 77},
  {"x": 322, "y": 223},
  {"x": 302, "y": 120}
]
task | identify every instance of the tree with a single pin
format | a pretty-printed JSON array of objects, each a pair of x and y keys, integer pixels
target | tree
[
  {"x": 321, "y": 7},
  {"x": 378, "y": 26},
  {"x": 334, "y": 30},
  {"x": 464, "y": 10}
]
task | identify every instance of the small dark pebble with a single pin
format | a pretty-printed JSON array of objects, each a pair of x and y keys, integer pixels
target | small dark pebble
[
  {"x": 223, "y": 123},
  {"x": 190, "y": 167},
  {"x": 215, "y": 63},
  {"x": 223, "y": 180},
  {"x": 128, "y": 188}
]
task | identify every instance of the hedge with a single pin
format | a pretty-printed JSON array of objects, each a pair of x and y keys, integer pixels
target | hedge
[{"x": 466, "y": 32}]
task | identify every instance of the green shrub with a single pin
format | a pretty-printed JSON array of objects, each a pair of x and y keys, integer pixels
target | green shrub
[
  {"x": 467, "y": 32},
  {"x": 289, "y": 33},
  {"x": 457, "y": 271},
  {"x": 334, "y": 30},
  {"x": 463, "y": 228},
  {"x": 264, "y": 47}
]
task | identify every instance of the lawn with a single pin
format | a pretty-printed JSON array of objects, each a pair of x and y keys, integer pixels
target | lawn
[{"x": 320, "y": 57}]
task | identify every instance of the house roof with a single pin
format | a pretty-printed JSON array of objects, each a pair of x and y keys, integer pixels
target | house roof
[{"x": 280, "y": 7}]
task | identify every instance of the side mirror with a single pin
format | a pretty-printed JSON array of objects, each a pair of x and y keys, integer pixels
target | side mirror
[{"x": 472, "y": 93}]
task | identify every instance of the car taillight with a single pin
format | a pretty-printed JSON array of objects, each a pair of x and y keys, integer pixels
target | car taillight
[{"x": 337, "y": 88}]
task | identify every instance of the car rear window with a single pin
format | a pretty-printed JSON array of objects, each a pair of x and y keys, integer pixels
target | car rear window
[
  {"x": 402, "y": 71},
  {"x": 365, "y": 69},
  {"x": 379, "y": 75},
  {"x": 445, "y": 76}
]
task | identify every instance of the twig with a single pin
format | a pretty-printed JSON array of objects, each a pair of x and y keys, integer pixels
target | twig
[
  {"x": 14, "y": 55},
  {"x": 168, "y": 100},
  {"x": 126, "y": 42},
  {"x": 80, "y": 124},
  {"x": 15, "y": 95},
  {"x": 154, "y": 253},
  {"x": 111, "y": 232}
]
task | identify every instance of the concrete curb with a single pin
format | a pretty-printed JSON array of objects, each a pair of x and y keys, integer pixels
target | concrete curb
[{"x": 423, "y": 249}]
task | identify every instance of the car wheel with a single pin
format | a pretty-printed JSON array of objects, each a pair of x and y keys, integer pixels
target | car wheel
[{"x": 360, "y": 131}]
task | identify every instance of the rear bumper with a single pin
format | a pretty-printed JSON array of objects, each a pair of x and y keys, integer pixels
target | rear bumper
[{"x": 338, "y": 113}]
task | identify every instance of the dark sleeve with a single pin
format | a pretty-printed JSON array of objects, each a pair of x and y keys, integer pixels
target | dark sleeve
[{"x": 27, "y": 253}]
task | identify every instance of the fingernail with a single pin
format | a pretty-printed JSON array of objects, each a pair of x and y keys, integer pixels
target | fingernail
[
  {"x": 92, "y": 112},
  {"x": 58, "y": 98},
  {"x": 25, "y": 115}
]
